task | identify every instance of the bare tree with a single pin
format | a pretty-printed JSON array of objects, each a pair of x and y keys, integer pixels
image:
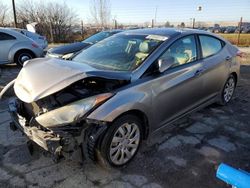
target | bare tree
[
  {"x": 182, "y": 25},
  {"x": 27, "y": 11},
  {"x": 61, "y": 18},
  {"x": 100, "y": 12},
  {"x": 3, "y": 13},
  {"x": 55, "y": 20}
]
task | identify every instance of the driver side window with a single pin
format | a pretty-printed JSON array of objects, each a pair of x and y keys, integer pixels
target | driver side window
[{"x": 182, "y": 51}]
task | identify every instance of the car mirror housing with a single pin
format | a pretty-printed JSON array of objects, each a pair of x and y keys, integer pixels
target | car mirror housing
[{"x": 164, "y": 64}]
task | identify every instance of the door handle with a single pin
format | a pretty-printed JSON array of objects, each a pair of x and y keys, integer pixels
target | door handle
[
  {"x": 198, "y": 72},
  {"x": 228, "y": 58}
]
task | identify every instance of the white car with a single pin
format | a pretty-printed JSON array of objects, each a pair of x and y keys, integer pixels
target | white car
[
  {"x": 40, "y": 40},
  {"x": 17, "y": 48}
]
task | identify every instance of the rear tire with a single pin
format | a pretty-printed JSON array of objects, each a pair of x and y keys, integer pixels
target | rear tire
[
  {"x": 228, "y": 90},
  {"x": 121, "y": 141},
  {"x": 22, "y": 56}
]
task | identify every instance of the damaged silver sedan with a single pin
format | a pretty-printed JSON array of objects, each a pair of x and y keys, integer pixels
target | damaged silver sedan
[{"x": 120, "y": 91}]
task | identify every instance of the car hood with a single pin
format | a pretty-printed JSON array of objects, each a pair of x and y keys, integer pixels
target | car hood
[
  {"x": 69, "y": 48},
  {"x": 44, "y": 76}
]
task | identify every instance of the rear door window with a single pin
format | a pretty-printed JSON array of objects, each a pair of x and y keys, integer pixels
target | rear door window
[
  {"x": 5, "y": 36},
  {"x": 209, "y": 45}
]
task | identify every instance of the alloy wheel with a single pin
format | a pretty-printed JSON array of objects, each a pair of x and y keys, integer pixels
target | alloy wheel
[
  {"x": 125, "y": 143},
  {"x": 229, "y": 89}
]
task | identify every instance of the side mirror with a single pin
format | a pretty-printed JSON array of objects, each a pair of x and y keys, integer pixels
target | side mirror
[{"x": 164, "y": 64}]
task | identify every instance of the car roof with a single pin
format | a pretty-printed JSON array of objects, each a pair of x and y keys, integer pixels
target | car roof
[
  {"x": 113, "y": 31},
  {"x": 20, "y": 29},
  {"x": 10, "y": 31},
  {"x": 154, "y": 31},
  {"x": 165, "y": 31},
  {"x": 11, "y": 28},
  {"x": 169, "y": 32},
  {"x": 15, "y": 33}
]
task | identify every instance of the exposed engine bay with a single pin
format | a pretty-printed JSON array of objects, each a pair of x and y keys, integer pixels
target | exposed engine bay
[
  {"x": 76, "y": 91},
  {"x": 49, "y": 121}
]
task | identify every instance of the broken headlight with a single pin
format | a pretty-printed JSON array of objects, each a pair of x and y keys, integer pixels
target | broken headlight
[{"x": 71, "y": 112}]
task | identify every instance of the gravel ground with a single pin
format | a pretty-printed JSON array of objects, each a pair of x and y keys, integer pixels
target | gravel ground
[{"x": 184, "y": 157}]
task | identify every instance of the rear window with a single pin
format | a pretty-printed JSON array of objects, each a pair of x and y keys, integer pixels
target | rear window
[
  {"x": 5, "y": 36},
  {"x": 209, "y": 45}
]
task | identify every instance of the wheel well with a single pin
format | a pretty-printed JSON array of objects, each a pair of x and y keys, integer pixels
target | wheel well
[
  {"x": 24, "y": 50},
  {"x": 142, "y": 116},
  {"x": 235, "y": 76}
]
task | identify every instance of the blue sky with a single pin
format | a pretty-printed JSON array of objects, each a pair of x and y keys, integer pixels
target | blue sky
[{"x": 139, "y": 11}]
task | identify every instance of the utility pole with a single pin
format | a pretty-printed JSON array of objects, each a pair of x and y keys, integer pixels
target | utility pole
[
  {"x": 152, "y": 23},
  {"x": 155, "y": 15},
  {"x": 115, "y": 24},
  {"x": 238, "y": 37},
  {"x": 193, "y": 22},
  {"x": 199, "y": 9},
  {"x": 14, "y": 13},
  {"x": 82, "y": 28}
]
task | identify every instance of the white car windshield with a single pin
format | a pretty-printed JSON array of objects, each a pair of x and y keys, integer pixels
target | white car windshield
[{"x": 121, "y": 52}]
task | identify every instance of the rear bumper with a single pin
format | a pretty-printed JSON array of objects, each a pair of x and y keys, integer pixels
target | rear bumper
[{"x": 39, "y": 52}]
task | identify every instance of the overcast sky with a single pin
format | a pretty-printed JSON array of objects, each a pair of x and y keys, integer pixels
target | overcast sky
[{"x": 139, "y": 11}]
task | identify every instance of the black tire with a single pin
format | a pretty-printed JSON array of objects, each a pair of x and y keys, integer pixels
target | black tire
[
  {"x": 22, "y": 56},
  {"x": 104, "y": 157},
  {"x": 223, "y": 99}
]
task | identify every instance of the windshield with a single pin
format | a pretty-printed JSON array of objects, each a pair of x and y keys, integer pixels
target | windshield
[
  {"x": 97, "y": 37},
  {"x": 119, "y": 52}
]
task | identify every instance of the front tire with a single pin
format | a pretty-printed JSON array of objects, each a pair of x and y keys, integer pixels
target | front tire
[
  {"x": 228, "y": 90},
  {"x": 121, "y": 141}
]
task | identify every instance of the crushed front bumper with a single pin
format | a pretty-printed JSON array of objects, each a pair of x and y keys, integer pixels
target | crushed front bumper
[
  {"x": 47, "y": 139},
  {"x": 59, "y": 142}
]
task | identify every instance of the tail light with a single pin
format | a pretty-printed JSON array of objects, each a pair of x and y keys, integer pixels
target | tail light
[
  {"x": 34, "y": 45},
  {"x": 240, "y": 54}
]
